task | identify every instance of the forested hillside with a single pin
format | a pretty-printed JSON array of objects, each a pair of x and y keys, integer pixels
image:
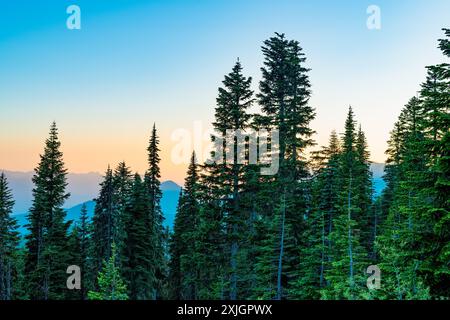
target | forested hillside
[{"x": 309, "y": 231}]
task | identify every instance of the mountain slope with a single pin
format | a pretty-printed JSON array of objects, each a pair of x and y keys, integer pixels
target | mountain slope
[{"x": 169, "y": 201}]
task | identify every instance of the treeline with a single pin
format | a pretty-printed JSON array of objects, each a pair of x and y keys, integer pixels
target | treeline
[{"x": 310, "y": 231}]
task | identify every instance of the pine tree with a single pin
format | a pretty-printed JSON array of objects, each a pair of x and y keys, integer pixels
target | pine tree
[
  {"x": 122, "y": 184},
  {"x": 154, "y": 194},
  {"x": 210, "y": 245},
  {"x": 184, "y": 269},
  {"x": 400, "y": 242},
  {"x": 347, "y": 267},
  {"x": 84, "y": 239},
  {"x": 413, "y": 246},
  {"x": 103, "y": 223},
  {"x": 176, "y": 249},
  {"x": 137, "y": 254},
  {"x": 316, "y": 251},
  {"x": 81, "y": 255},
  {"x": 111, "y": 285},
  {"x": 364, "y": 194},
  {"x": 9, "y": 240},
  {"x": 233, "y": 101},
  {"x": 436, "y": 102},
  {"x": 284, "y": 98},
  {"x": 47, "y": 254}
]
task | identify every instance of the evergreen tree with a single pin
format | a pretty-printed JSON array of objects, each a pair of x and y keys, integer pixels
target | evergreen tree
[
  {"x": 82, "y": 235},
  {"x": 138, "y": 264},
  {"x": 176, "y": 249},
  {"x": 184, "y": 268},
  {"x": 9, "y": 240},
  {"x": 347, "y": 267},
  {"x": 284, "y": 98},
  {"x": 80, "y": 254},
  {"x": 154, "y": 194},
  {"x": 233, "y": 101},
  {"x": 316, "y": 252},
  {"x": 47, "y": 254},
  {"x": 364, "y": 193},
  {"x": 435, "y": 213},
  {"x": 122, "y": 184},
  {"x": 111, "y": 285},
  {"x": 413, "y": 246},
  {"x": 103, "y": 223}
]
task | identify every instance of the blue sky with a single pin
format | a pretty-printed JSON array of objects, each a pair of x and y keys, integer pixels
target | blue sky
[{"x": 138, "y": 62}]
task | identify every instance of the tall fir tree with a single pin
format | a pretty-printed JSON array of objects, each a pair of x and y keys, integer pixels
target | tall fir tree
[
  {"x": 399, "y": 245},
  {"x": 284, "y": 98},
  {"x": 316, "y": 252},
  {"x": 348, "y": 261},
  {"x": 137, "y": 266},
  {"x": 158, "y": 234},
  {"x": 9, "y": 241},
  {"x": 110, "y": 283},
  {"x": 47, "y": 254},
  {"x": 122, "y": 185},
  {"x": 231, "y": 122},
  {"x": 435, "y": 93},
  {"x": 81, "y": 243},
  {"x": 184, "y": 268},
  {"x": 103, "y": 223}
]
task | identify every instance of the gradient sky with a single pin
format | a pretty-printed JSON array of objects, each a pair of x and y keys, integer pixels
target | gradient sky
[{"x": 134, "y": 63}]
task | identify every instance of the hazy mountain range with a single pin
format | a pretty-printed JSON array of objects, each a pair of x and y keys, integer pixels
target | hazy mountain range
[{"x": 84, "y": 187}]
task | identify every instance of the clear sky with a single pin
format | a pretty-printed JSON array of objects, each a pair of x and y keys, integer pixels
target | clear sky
[{"x": 134, "y": 63}]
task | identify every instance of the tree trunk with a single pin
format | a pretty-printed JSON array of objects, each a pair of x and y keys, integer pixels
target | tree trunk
[
  {"x": 349, "y": 217},
  {"x": 280, "y": 258}
]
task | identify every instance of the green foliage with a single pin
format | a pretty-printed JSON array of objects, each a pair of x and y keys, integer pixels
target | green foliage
[
  {"x": 308, "y": 232},
  {"x": 111, "y": 285},
  {"x": 9, "y": 240},
  {"x": 137, "y": 268},
  {"x": 158, "y": 239},
  {"x": 47, "y": 246}
]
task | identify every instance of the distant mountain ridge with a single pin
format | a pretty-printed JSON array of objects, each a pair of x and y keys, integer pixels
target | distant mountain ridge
[
  {"x": 81, "y": 186},
  {"x": 377, "y": 176},
  {"x": 84, "y": 188}
]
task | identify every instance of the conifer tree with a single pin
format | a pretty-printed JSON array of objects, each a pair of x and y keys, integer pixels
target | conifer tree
[
  {"x": 284, "y": 98},
  {"x": 111, "y": 285},
  {"x": 316, "y": 251},
  {"x": 364, "y": 193},
  {"x": 412, "y": 246},
  {"x": 83, "y": 232},
  {"x": 9, "y": 240},
  {"x": 398, "y": 258},
  {"x": 47, "y": 254},
  {"x": 184, "y": 268},
  {"x": 122, "y": 184},
  {"x": 347, "y": 267},
  {"x": 233, "y": 101},
  {"x": 176, "y": 249},
  {"x": 154, "y": 194},
  {"x": 137, "y": 254},
  {"x": 436, "y": 103},
  {"x": 103, "y": 222}
]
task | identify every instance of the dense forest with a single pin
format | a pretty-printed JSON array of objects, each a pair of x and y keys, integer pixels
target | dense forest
[{"x": 310, "y": 231}]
